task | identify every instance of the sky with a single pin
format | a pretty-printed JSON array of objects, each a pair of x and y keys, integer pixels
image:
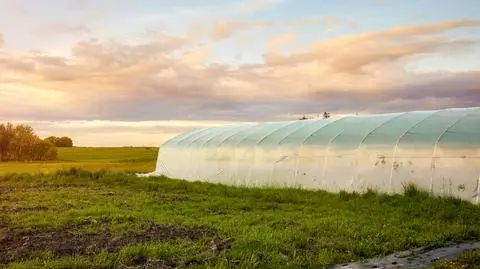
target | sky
[{"x": 136, "y": 73}]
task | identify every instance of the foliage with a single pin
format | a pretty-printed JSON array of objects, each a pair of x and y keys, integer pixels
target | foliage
[
  {"x": 61, "y": 142},
  {"x": 268, "y": 228},
  {"x": 20, "y": 143}
]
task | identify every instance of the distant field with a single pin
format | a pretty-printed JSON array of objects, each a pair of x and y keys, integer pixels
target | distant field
[{"x": 135, "y": 159}]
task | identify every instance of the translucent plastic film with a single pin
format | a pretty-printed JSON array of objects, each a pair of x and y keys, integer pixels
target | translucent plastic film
[{"x": 437, "y": 150}]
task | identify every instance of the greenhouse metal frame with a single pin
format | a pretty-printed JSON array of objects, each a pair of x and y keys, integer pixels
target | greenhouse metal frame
[{"x": 437, "y": 150}]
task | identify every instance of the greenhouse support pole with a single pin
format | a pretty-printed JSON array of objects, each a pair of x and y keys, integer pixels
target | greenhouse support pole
[
  {"x": 279, "y": 143},
  {"x": 189, "y": 147},
  {"x": 477, "y": 199},
  {"x": 327, "y": 150},
  {"x": 432, "y": 165},
  {"x": 395, "y": 149},
  {"x": 255, "y": 157},
  {"x": 357, "y": 153}
]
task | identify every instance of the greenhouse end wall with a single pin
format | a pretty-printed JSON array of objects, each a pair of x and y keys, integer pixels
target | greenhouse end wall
[{"x": 436, "y": 150}]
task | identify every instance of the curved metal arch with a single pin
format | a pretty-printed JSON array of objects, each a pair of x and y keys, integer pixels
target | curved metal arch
[
  {"x": 474, "y": 110},
  {"x": 326, "y": 150},
  {"x": 212, "y": 131},
  {"x": 240, "y": 127},
  {"x": 395, "y": 149},
  {"x": 232, "y": 127},
  {"x": 432, "y": 167},
  {"x": 380, "y": 125},
  {"x": 287, "y": 124},
  {"x": 193, "y": 133},
  {"x": 279, "y": 142},
  {"x": 207, "y": 132},
  {"x": 295, "y": 130},
  {"x": 477, "y": 198},
  {"x": 280, "y": 129},
  {"x": 234, "y": 134},
  {"x": 315, "y": 131},
  {"x": 369, "y": 133}
]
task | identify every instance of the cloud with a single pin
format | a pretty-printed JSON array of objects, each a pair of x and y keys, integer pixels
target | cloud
[
  {"x": 2, "y": 41},
  {"x": 61, "y": 28},
  {"x": 78, "y": 4},
  {"x": 16, "y": 7},
  {"x": 444, "y": 89},
  {"x": 169, "y": 77},
  {"x": 325, "y": 21},
  {"x": 351, "y": 54},
  {"x": 225, "y": 29},
  {"x": 281, "y": 40},
  {"x": 196, "y": 56},
  {"x": 116, "y": 55}
]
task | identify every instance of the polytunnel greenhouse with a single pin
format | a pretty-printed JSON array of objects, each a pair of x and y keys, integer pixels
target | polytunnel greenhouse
[{"x": 436, "y": 150}]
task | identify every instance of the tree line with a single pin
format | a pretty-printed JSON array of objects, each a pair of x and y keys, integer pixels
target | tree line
[
  {"x": 61, "y": 142},
  {"x": 20, "y": 143}
]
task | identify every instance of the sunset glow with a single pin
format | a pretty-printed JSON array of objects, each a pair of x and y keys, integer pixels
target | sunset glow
[{"x": 121, "y": 73}]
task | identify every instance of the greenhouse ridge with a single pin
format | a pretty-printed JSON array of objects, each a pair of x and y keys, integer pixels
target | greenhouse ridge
[{"x": 437, "y": 150}]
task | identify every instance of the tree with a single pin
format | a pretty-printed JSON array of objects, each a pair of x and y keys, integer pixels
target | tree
[
  {"x": 20, "y": 143},
  {"x": 21, "y": 146},
  {"x": 64, "y": 142},
  {"x": 6, "y": 136},
  {"x": 51, "y": 140},
  {"x": 60, "y": 141},
  {"x": 44, "y": 150}
]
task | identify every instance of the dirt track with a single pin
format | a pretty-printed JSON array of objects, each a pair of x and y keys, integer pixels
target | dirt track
[{"x": 416, "y": 258}]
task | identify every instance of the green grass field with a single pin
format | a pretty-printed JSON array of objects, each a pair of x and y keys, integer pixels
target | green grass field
[
  {"x": 76, "y": 218},
  {"x": 92, "y": 159}
]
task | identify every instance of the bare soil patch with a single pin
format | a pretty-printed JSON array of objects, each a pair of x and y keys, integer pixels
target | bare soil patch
[
  {"x": 3, "y": 222},
  {"x": 19, "y": 244},
  {"x": 6, "y": 198},
  {"x": 216, "y": 245},
  {"x": 38, "y": 187},
  {"x": 164, "y": 198},
  {"x": 7, "y": 210},
  {"x": 142, "y": 262},
  {"x": 5, "y": 189}
]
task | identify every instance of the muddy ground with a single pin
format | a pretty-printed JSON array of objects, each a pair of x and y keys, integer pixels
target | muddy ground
[
  {"x": 10, "y": 210},
  {"x": 416, "y": 258},
  {"x": 44, "y": 187},
  {"x": 3, "y": 222},
  {"x": 19, "y": 244}
]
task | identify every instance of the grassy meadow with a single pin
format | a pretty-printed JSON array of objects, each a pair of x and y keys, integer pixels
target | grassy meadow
[
  {"x": 55, "y": 216},
  {"x": 130, "y": 159}
]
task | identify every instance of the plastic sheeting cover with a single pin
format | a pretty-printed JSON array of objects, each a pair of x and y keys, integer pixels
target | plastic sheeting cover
[{"x": 437, "y": 150}]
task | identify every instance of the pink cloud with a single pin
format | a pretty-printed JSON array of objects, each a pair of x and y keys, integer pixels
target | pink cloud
[{"x": 168, "y": 77}]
